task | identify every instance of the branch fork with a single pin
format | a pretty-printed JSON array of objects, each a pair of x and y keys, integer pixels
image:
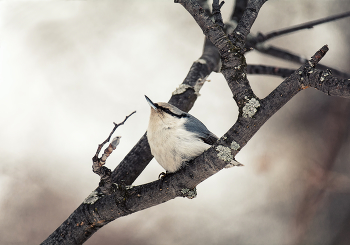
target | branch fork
[{"x": 106, "y": 185}]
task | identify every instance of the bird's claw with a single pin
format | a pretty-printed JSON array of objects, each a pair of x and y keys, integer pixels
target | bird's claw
[{"x": 162, "y": 175}]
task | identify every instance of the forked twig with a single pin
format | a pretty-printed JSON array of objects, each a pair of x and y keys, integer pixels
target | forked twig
[
  {"x": 109, "y": 137},
  {"x": 97, "y": 163},
  {"x": 217, "y": 13}
]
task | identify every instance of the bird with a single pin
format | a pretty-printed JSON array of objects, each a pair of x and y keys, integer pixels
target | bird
[{"x": 176, "y": 137}]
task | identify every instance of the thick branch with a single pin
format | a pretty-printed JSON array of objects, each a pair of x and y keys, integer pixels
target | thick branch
[
  {"x": 231, "y": 49},
  {"x": 238, "y": 12},
  {"x": 245, "y": 23},
  {"x": 328, "y": 84}
]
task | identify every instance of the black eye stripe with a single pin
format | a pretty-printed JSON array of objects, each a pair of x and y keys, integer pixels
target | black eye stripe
[{"x": 166, "y": 110}]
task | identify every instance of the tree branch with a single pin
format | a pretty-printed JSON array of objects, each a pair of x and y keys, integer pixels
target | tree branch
[
  {"x": 98, "y": 167},
  {"x": 240, "y": 7},
  {"x": 217, "y": 13},
  {"x": 269, "y": 70},
  {"x": 258, "y": 42},
  {"x": 286, "y": 55},
  {"x": 116, "y": 125},
  {"x": 308, "y": 25}
]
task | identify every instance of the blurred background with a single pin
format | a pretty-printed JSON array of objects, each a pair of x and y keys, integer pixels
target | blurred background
[{"x": 69, "y": 69}]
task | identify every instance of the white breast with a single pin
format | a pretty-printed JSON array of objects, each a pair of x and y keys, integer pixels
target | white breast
[{"x": 172, "y": 145}]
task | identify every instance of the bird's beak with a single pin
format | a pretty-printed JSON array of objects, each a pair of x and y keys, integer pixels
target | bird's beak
[{"x": 151, "y": 103}]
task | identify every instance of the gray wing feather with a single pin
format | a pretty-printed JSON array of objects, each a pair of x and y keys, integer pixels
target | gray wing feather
[{"x": 194, "y": 125}]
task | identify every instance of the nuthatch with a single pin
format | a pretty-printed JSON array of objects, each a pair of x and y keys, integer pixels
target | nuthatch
[{"x": 176, "y": 137}]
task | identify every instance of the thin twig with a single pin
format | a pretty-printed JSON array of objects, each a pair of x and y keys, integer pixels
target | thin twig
[
  {"x": 217, "y": 13},
  {"x": 109, "y": 137},
  {"x": 318, "y": 56},
  {"x": 97, "y": 163},
  {"x": 287, "y": 55},
  {"x": 307, "y": 25},
  {"x": 257, "y": 43},
  {"x": 269, "y": 70}
]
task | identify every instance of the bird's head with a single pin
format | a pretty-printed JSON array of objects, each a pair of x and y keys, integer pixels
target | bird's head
[{"x": 168, "y": 113}]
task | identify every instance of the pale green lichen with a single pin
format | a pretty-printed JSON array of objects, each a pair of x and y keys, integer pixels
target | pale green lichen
[
  {"x": 93, "y": 197},
  {"x": 181, "y": 89},
  {"x": 189, "y": 193},
  {"x": 235, "y": 146},
  {"x": 224, "y": 153},
  {"x": 249, "y": 108}
]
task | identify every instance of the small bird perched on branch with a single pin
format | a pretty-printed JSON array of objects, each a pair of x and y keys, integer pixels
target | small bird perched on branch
[{"x": 176, "y": 137}]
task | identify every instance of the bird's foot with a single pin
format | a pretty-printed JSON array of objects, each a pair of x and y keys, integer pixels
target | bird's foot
[{"x": 162, "y": 175}]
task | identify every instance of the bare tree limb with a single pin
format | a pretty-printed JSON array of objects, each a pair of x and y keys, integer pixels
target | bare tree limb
[
  {"x": 116, "y": 125},
  {"x": 269, "y": 70},
  {"x": 98, "y": 167},
  {"x": 287, "y": 55},
  {"x": 239, "y": 9},
  {"x": 258, "y": 42},
  {"x": 217, "y": 13},
  {"x": 308, "y": 25}
]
